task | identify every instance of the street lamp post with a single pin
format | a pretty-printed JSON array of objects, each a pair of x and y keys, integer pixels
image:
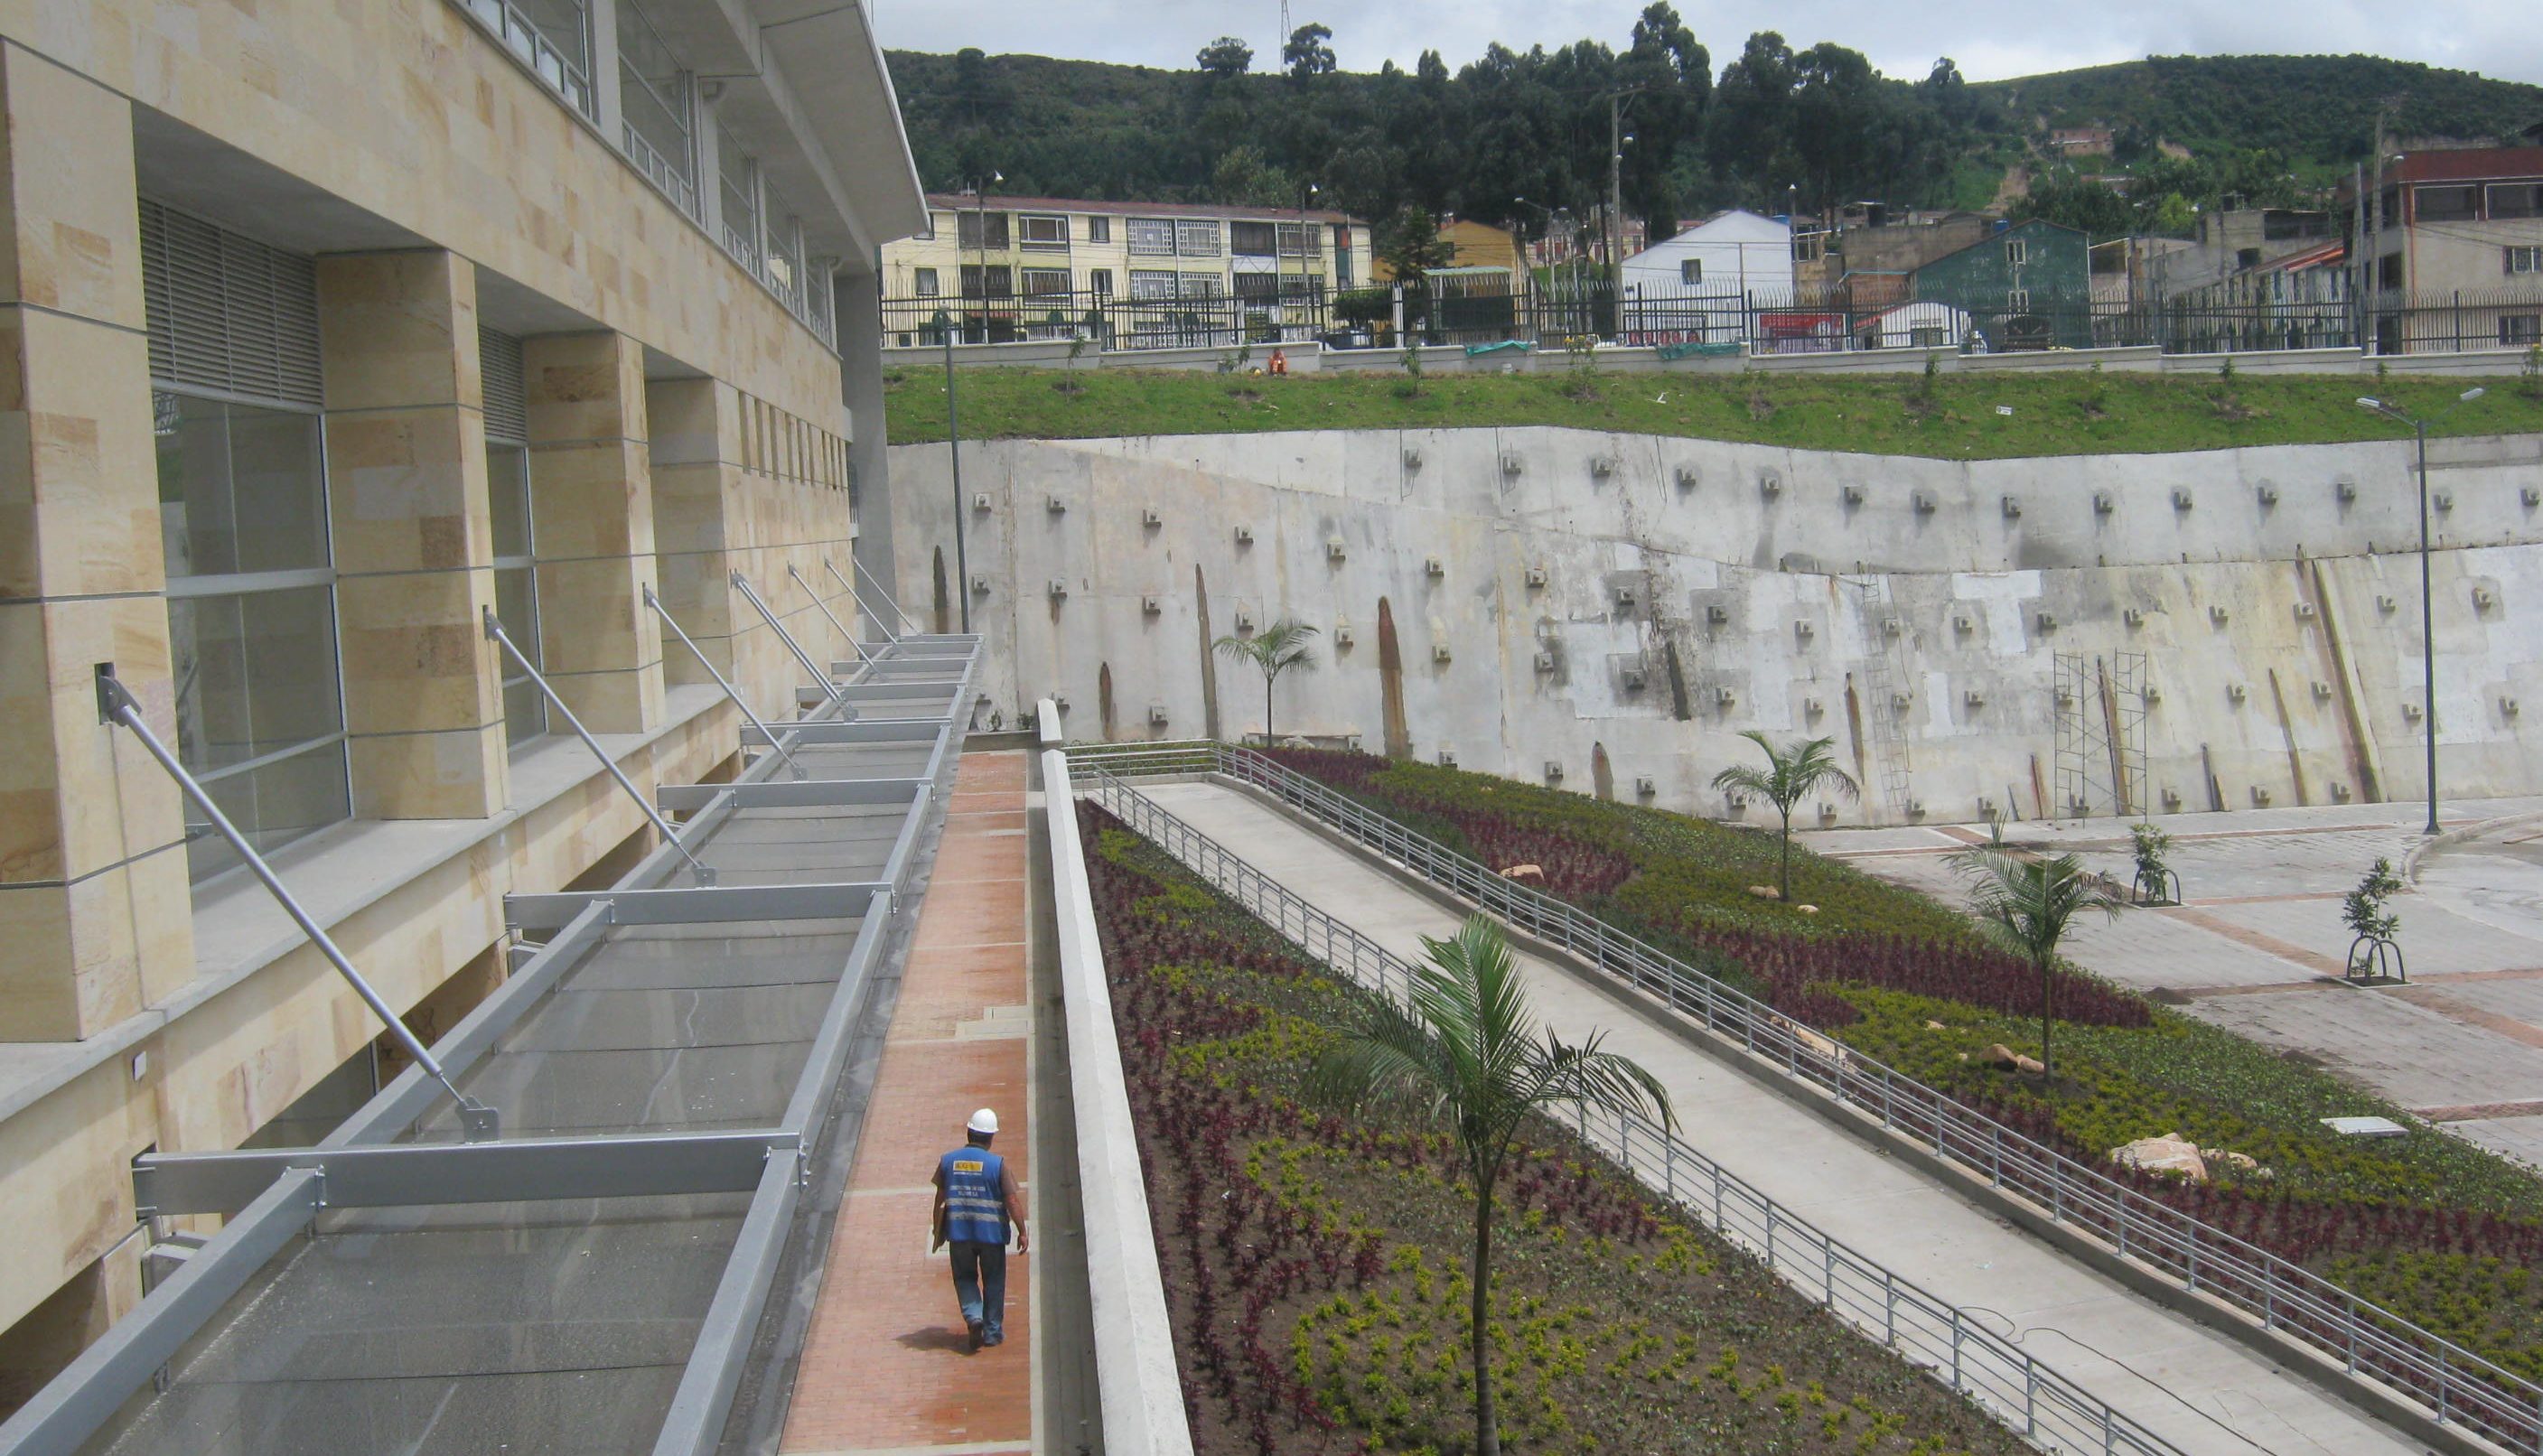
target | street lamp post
[
  {"x": 2427, "y": 616},
  {"x": 953, "y": 424}
]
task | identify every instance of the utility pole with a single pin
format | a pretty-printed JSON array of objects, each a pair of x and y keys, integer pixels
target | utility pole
[{"x": 1616, "y": 186}]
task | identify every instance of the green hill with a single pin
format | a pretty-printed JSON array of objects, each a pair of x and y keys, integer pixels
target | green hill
[
  {"x": 2311, "y": 108},
  {"x": 1713, "y": 131}
]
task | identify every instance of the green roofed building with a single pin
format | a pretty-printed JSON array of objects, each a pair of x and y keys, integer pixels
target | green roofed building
[{"x": 2029, "y": 285}]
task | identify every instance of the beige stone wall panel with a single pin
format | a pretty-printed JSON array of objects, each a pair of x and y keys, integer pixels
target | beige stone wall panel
[
  {"x": 66, "y": 153},
  {"x": 79, "y": 504},
  {"x": 399, "y": 330},
  {"x": 406, "y": 490},
  {"x": 66, "y": 1180}
]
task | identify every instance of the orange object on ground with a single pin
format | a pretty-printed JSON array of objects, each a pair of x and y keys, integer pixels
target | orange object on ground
[{"x": 1279, "y": 361}]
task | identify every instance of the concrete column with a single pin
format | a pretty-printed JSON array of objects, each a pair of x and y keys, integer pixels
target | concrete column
[
  {"x": 860, "y": 315},
  {"x": 696, "y": 453},
  {"x": 405, "y": 467},
  {"x": 94, "y": 910},
  {"x": 591, "y": 525}
]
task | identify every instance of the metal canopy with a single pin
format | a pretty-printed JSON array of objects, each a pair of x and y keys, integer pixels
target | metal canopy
[{"x": 662, "y": 1065}]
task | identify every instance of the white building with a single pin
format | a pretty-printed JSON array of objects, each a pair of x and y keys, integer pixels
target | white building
[{"x": 1733, "y": 254}]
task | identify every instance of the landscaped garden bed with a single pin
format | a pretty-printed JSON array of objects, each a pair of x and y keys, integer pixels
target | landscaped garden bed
[
  {"x": 1315, "y": 1261},
  {"x": 2432, "y": 1227}
]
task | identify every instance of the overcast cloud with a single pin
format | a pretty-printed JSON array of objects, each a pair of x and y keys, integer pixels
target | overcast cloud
[{"x": 1991, "y": 38}]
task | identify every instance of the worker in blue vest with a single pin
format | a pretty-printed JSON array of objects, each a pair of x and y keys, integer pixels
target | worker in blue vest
[{"x": 977, "y": 1202}]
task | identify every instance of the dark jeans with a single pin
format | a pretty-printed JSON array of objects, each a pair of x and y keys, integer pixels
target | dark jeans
[{"x": 981, "y": 1284}]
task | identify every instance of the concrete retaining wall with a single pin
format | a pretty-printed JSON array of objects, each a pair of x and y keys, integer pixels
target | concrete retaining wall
[
  {"x": 1617, "y": 608},
  {"x": 1135, "y": 1374}
]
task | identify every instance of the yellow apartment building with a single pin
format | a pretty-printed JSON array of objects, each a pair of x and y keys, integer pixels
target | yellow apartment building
[
  {"x": 1012, "y": 268},
  {"x": 329, "y": 326}
]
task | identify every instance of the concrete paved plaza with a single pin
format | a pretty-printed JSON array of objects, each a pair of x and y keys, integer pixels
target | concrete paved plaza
[
  {"x": 2259, "y": 946},
  {"x": 2199, "y": 1387}
]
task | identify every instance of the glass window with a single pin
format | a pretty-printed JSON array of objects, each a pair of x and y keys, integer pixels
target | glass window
[
  {"x": 1250, "y": 239},
  {"x": 2516, "y": 200},
  {"x": 1204, "y": 286},
  {"x": 1690, "y": 270},
  {"x": 1151, "y": 284},
  {"x": 984, "y": 231},
  {"x": 738, "y": 178},
  {"x": 1044, "y": 232},
  {"x": 1098, "y": 230},
  {"x": 2017, "y": 250},
  {"x": 2521, "y": 330},
  {"x": 2017, "y": 300},
  {"x": 654, "y": 102},
  {"x": 2446, "y": 204},
  {"x": 1099, "y": 281},
  {"x": 1294, "y": 239},
  {"x": 517, "y": 597},
  {"x": 552, "y": 37},
  {"x": 784, "y": 253},
  {"x": 1152, "y": 237},
  {"x": 1196, "y": 237},
  {"x": 1046, "y": 282},
  {"x": 924, "y": 281},
  {"x": 250, "y": 621},
  {"x": 2524, "y": 260},
  {"x": 1342, "y": 254}
]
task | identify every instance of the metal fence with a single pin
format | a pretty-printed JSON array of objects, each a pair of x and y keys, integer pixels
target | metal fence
[
  {"x": 2454, "y": 1384},
  {"x": 2046, "y": 1408},
  {"x": 1478, "y": 312}
]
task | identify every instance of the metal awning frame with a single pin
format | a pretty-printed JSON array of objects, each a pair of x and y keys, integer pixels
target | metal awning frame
[{"x": 274, "y": 1196}]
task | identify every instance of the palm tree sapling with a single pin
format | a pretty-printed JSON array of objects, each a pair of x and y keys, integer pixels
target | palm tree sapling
[
  {"x": 1273, "y": 651},
  {"x": 2026, "y": 905},
  {"x": 1788, "y": 776},
  {"x": 1465, "y": 1044}
]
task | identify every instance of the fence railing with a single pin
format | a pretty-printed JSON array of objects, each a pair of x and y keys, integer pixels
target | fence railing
[
  {"x": 1957, "y": 1349},
  {"x": 2454, "y": 1384},
  {"x": 1840, "y": 319}
]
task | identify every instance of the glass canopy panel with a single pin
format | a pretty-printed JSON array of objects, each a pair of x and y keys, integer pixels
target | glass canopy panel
[{"x": 554, "y": 1327}]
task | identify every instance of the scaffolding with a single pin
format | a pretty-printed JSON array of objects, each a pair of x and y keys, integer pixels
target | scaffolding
[
  {"x": 2101, "y": 757},
  {"x": 1885, "y": 639}
]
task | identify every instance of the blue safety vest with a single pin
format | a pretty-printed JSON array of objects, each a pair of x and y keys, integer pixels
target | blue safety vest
[{"x": 976, "y": 1207}]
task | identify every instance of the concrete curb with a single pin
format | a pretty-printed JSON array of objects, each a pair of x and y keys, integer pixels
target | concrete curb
[
  {"x": 2450, "y": 837},
  {"x": 1139, "y": 1385},
  {"x": 2374, "y": 1399}
]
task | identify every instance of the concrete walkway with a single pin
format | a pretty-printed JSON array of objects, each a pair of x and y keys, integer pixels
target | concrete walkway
[
  {"x": 2203, "y": 1390},
  {"x": 2259, "y": 948},
  {"x": 883, "y": 1367}
]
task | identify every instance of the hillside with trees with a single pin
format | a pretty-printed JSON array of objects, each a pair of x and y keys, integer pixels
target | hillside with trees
[{"x": 1766, "y": 125}]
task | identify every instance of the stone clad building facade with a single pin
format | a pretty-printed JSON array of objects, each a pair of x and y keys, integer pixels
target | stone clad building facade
[{"x": 327, "y": 329}]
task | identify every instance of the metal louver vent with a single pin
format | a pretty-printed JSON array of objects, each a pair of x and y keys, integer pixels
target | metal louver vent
[
  {"x": 507, "y": 401},
  {"x": 227, "y": 313}
]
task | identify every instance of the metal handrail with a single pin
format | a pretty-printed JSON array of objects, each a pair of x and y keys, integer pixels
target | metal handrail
[
  {"x": 2046, "y": 1407},
  {"x": 2455, "y": 1385}
]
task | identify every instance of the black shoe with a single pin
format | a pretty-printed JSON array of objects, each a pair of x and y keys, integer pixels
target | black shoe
[{"x": 973, "y": 1341}]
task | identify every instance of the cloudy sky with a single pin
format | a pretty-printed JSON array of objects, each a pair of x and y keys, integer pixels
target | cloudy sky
[{"x": 1991, "y": 38}]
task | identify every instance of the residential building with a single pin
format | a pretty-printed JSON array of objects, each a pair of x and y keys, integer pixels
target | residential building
[
  {"x": 2025, "y": 287},
  {"x": 2090, "y": 141},
  {"x": 333, "y": 329},
  {"x": 2236, "y": 240},
  {"x": 2300, "y": 300},
  {"x": 2454, "y": 250},
  {"x": 1471, "y": 245},
  {"x": 1735, "y": 253},
  {"x": 1874, "y": 262},
  {"x": 1013, "y": 267}
]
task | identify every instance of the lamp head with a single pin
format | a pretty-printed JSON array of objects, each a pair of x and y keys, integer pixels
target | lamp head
[
  {"x": 2365, "y": 403},
  {"x": 2470, "y": 395}
]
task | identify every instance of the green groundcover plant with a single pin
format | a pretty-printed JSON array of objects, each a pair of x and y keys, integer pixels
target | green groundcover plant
[
  {"x": 1315, "y": 1259},
  {"x": 2434, "y": 1227}
]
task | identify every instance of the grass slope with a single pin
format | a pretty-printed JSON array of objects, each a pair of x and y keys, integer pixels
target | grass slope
[{"x": 1946, "y": 416}]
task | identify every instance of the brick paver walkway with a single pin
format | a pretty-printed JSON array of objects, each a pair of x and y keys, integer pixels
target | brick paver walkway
[{"x": 883, "y": 1367}]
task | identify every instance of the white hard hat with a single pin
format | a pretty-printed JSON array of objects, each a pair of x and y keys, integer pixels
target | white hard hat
[{"x": 983, "y": 1121}]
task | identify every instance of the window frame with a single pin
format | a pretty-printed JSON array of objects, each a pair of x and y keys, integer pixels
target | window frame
[
  {"x": 1098, "y": 228},
  {"x": 2518, "y": 258},
  {"x": 924, "y": 282},
  {"x": 224, "y": 586},
  {"x": 2422, "y": 194},
  {"x": 2521, "y": 331},
  {"x": 680, "y": 184},
  {"x": 1026, "y": 281},
  {"x": 1690, "y": 272},
  {"x": 1055, "y": 229},
  {"x": 2017, "y": 300},
  {"x": 1199, "y": 236},
  {"x": 1159, "y": 241},
  {"x": 2017, "y": 252}
]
